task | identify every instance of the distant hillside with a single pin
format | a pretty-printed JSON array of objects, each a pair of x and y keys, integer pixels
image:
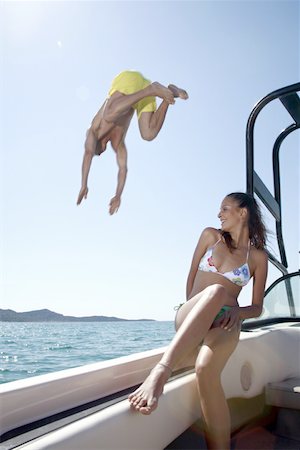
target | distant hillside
[{"x": 45, "y": 315}]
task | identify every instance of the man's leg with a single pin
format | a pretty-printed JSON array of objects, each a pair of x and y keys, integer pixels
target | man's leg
[
  {"x": 119, "y": 104},
  {"x": 150, "y": 123}
]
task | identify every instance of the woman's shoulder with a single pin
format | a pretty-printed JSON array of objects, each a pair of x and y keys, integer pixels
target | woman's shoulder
[
  {"x": 210, "y": 235},
  {"x": 259, "y": 255}
]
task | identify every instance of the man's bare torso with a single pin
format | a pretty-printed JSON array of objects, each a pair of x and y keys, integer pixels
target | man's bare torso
[{"x": 116, "y": 131}]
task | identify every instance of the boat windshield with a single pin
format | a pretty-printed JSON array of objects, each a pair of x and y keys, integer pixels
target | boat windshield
[{"x": 282, "y": 300}]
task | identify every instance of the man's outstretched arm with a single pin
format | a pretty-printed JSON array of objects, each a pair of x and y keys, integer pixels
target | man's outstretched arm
[
  {"x": 122, "y": 173},
  {"x": 90, "y": 145},
  {"x": 86, "y": 165}
]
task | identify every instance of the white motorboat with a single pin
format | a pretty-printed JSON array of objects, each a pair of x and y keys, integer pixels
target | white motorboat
[{"x": 86, "y": 408}]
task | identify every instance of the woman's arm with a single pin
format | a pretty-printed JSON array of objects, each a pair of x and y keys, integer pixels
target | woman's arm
[
  {"x": 259, "y": 283},
  {"x": 237, "y": 313},
  {"x": 207, "y": 238}
]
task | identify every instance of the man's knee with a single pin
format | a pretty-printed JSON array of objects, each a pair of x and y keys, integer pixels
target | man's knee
[{"x": 148, "y": 134}]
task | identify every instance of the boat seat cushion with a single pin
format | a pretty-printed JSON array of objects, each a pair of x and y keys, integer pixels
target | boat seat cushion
[{"x": 285, "y": 394}]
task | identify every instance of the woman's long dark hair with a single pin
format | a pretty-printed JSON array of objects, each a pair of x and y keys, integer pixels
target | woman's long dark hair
[{"x": 257, "y": 229}]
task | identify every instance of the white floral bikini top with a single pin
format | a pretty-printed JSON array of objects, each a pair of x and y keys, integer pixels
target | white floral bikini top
[{"x": 239, "y": 276}]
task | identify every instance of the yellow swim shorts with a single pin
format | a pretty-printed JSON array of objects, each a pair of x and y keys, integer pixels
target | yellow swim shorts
[{"x": 129, "y": 82}]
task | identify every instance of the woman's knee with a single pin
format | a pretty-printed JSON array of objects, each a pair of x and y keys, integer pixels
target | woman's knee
[
  {"x": 217, "y": 289},
  {"x": 217, "y": 293},
  {"x": 206, "y": 373}
]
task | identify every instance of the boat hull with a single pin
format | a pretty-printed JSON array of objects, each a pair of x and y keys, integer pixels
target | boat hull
[{"x": 261, "y": 357}]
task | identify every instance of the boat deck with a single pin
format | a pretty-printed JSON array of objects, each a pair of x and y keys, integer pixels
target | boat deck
[{"x": 256, "y": 437}]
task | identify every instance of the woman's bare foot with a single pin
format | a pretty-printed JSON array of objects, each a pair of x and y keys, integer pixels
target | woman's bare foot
[
  {"x": 178, "y": 92},
  {"x": 161, "y": 91},
  {"x": 145, "y": 398}
]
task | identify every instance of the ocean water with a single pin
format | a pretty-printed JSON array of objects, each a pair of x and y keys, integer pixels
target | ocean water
[{"x": 30, "y": 349}]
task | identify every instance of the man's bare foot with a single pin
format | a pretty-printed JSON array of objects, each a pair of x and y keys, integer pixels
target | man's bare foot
[
  {"x": 181, "y": 93},
  {"x": 145, "y": 398},
  {"x": 161, "y": 91}
]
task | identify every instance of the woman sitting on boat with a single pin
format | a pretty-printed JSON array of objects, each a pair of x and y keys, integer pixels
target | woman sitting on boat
[{"x": 224, "y": 261}]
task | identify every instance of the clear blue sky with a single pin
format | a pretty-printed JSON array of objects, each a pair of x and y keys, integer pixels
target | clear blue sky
[{"x": 57, "y": 63}]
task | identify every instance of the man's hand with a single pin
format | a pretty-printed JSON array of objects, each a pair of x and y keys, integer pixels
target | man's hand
[
  {"x": 83, "y": 193},
  {"x": 114, "y": 205}
]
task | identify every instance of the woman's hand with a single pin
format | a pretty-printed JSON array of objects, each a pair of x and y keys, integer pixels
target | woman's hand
[{"x": 230, "y": 318}]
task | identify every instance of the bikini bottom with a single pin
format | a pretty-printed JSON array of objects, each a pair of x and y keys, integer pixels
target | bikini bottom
[{"x": 222, "y": 311}]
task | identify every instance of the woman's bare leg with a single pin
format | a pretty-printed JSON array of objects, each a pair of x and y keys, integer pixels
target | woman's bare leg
[
  {"x": 217, "y": 347},
  {"x": 201, "y": 311}
]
